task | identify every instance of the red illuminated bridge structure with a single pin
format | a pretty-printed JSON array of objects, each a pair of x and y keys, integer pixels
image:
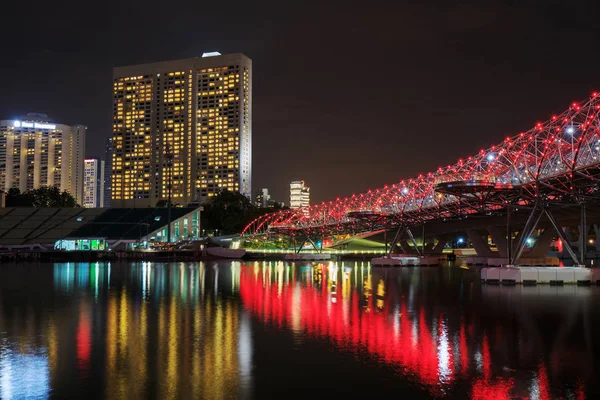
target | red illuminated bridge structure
[{"x": 553, "y": 166}]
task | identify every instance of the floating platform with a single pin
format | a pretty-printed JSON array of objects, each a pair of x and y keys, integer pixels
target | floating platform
[
  {"x": 402, "y": 260},
  {"x": 540, "y": 275},
  {"x": 523, "y": 261},
  {"x": 307, "y": 257}
]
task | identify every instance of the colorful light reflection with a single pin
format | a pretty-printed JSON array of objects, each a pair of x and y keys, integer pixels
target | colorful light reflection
[{"x": 356, "y": 310}]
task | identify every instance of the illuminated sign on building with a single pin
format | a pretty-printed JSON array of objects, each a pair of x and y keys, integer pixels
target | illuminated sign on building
[{"x": 37, "y": 125}]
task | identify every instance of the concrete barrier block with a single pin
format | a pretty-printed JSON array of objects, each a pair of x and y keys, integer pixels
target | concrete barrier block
[
  {"x": 582, "y": 275},
  {"x": 510, "y": 276},
  {"x": 546, "y": 275},
  {"x": 529, "y": 275},
  {"x": 493, "y": 275},
  {"x": 565, "y": 275}
]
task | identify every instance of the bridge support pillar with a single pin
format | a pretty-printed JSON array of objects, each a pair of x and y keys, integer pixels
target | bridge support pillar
[
  {"x": 571, "y": 241},
  {"x": 542, "y": 244},
  {"x": 596, "y": 228},
  {"x": 439, "y": 247},
  {"x": 481, "y": 247},
  {"x": 561, "y": 234},
  {"x": 499, "y": 237},
  {"x": 525, "y": 233}
]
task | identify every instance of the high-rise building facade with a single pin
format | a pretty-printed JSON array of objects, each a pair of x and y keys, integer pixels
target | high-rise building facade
[
  {"x": 107, "y": 171},
  {"x": 299, "y": 194},
  {"x": 34, "y": 152},
  {"x": 93, "y": 183},
  {"x": 75, "y": 165},
  {"x": 263, "y": 198},
  {"x": 181, "y": 129}
]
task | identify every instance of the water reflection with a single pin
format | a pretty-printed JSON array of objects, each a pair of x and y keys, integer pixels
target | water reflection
[
  {"x": 145, "y": 330},
  {"x": 486, "y": 336},
  {"x": 218, "y": 330}
]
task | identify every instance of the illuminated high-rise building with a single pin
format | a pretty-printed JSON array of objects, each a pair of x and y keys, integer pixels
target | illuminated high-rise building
[
  {"x": 93, "y": 183},
  {"x": 34, "y": 152},
  {"x": 299, "y": 194},
  {"x": 181, "y": 129}
]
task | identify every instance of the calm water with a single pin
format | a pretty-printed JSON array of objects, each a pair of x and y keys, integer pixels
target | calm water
[{"x": 278, "y": 330}]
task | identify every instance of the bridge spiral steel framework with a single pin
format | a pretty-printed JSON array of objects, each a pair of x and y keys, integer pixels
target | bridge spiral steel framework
[{"x": 555, "y": 162}]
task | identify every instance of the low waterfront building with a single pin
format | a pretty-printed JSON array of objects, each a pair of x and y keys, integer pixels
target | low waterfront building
[{"x": 94, "y": 228}]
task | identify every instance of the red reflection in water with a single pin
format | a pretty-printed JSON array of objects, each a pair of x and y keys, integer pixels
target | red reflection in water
[
  {"x": 580, "y": 391},
  {"x": 399, "y": 339},
  {"x": 83, "y": 340},
  {"x": 464, "y": 356},
  {"x": 356, "y": 321},
  {"x": 543, "y": 384},
  {"x": 488, "y": 390},
  {"x": 486, "y": 387}
]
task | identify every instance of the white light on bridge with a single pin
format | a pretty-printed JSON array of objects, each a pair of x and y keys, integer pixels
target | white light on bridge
[
  {"x": 571, "y": 130},
  {"x": 404, "y": 191},
  {"x": 491, "y": 157}
]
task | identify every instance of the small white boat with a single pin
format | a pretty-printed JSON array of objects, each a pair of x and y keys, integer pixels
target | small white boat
[{"x": 222, "y": 252}]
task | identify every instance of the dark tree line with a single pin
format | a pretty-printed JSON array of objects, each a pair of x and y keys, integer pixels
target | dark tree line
[
  {"x": 45, "y": 196},
  {"x": 229, "y": 212}
]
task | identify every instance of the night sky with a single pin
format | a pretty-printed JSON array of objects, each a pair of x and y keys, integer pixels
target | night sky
[{"x": 347, "y": 95}]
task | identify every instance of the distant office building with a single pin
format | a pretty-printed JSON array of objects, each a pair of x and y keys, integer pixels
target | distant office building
[
  {"x": 299, "y": 194},
  {"x": 78, "y": 137},
  {"x": 34, "y": 152},
  {"x": 108, "y": 171},
  {"x": 263, "y": 198},
  {"x": 183, "y": 126},
  {"x": 93, "y": 183}
]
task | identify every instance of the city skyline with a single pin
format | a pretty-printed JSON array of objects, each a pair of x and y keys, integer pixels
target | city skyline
[
  {"x": 456, "y": 77},
  {"x": 403, "y": 197}
]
